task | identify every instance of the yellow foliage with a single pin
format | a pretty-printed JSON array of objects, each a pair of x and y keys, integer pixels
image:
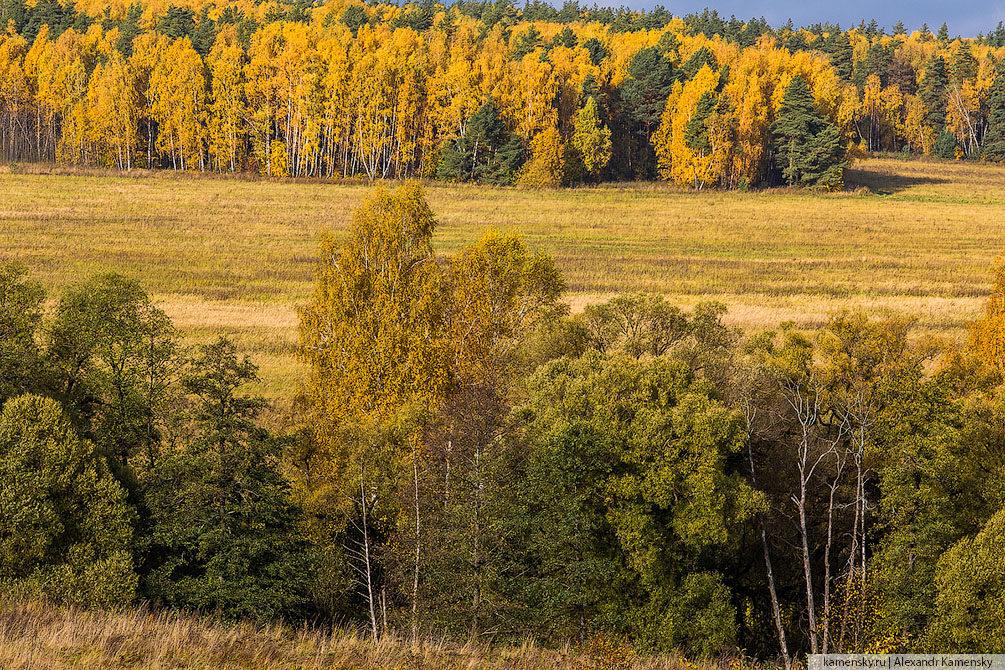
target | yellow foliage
[
  {"x": 382, "y": 102},
  {"x": 679, "y": 161},
  {"x": 546, "y": 166},
  {"x": 987, "y": 334}
]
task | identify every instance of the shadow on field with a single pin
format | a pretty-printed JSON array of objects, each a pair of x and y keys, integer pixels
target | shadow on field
[{"x": 886, "y": 183}]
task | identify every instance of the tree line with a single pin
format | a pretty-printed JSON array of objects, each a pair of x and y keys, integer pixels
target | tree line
[
  {"x": 464, "y": 457},
  {"x": 485, "y": 92}
]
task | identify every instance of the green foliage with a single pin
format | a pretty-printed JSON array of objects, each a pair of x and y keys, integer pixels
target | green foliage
[
  {"x": 645, "y": 89},
  {"x": 526, "y": 42},
  {"x": 484, "y": 152},
  {"x": 129, "y": 29},
  {"x": 65, "y": 528},
  {"x": 20, "y": 317},
  {"x": 223, "y": 532},
  {"x": 667, "y": 496},
  {"x": 945, "y": 145},
  {"x": 927, "y": 468},
  {"x": 591, "y": 138},
  {"x": 963, "y": 67},
  {"x": 596, "y": 49},
  {"x": 994, "y": 139},
  {"x": 559, "y": 518},
  {"x": 838, "y": 46},
  {"x": 354, "y": 17},
  {"x": 58, "y": 16},
  {"x": 970, "y": 608},
  {"x": 177, "y": 22},
  {"x": 696, "y": 130},
  {"x": 933, "y": 91},
  {"x": 698, "y": 60},
  {"x": 204, "y": 35},
  {"x": 808, "y": 149},
  {"x": 565, "y": 38},
  {"x": 113, "y": 354}
]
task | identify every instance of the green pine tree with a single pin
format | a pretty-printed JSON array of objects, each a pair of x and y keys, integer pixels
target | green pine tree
[
  {"x": 842, "y": 55},
  {"x": 994, "y": 139},
  {"x": 701, "y": 57},
  {"x": 129, "y": 29},
  {"x": 205, "y": 33},
  {"x": 596, "y": 49},
  {"x": 565, "y": 38},
  {"x": 963, "y": 66},
  {"x": 933, "y": 90},
  {"x": 484, "y": 152},
  {"x": 807, "y": 147},
  {"x": 696, "y": 130},
  {"x": 223, "y": 535},
  {"x": 177, "y": 22}
]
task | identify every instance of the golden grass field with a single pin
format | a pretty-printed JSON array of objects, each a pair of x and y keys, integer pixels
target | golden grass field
[
  {"x": 235, "y": 255},
  {"x": 35, "y": 636}
]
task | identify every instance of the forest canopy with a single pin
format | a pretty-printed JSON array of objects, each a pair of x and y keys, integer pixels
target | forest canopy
[{"x": 482, "y": 91}]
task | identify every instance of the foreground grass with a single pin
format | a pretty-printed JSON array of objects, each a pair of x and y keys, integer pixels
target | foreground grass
[
  {"x": 36, "y": 636},
  {"x": 235, "y": 255}
]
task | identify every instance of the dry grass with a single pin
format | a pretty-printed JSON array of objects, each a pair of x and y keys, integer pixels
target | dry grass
[
  {"x": 35, "y": 636},
  {"x": 235, "y": 254}
]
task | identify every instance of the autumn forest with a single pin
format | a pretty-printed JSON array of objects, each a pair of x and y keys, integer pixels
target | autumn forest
[
  {"x": 350, "y": 335},
  {"x": 485, "y": 92}
]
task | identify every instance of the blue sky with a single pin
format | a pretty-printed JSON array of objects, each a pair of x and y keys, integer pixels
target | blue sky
[{"x": 965, "y": 17}]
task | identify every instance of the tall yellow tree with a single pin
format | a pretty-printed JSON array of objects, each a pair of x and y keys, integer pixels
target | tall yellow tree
[
  {"x": 546, "y": 167},
  {"x": 114, "y": 111},
  {"x": 227, "y": 107},
  {"x": 372, "y": 336},
  {"x": 180, "y": 106}
]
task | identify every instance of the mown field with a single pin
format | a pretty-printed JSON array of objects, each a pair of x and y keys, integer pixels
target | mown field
[{"x": 236, "y": 255}]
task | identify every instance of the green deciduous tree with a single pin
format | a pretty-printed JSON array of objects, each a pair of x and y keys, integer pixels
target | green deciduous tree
[
  {"x": 20, "y": 318},
  {"x": 65, "y": 528},
  {"x": 114, "y": 354},
  {"x": 668, "y": 496},
  {"x": 970, "y": 607}
]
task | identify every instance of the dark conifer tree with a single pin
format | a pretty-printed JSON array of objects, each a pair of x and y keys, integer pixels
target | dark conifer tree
[
  {"x": 484, "y": 152},
  {"x": 994, "y": 140},
  {"x": 596, "y": 49},
  {"x": 129, "y": 29},
  {"x": 932, "y": 91},
  {"x": 696, "y": 130},
  {"x": 839, "y": 47},
  {"x": 807, "y": 148},
  {"x": 204, "y": 34},
  {"x": 700, "y": 58},
  {"x": 223, "y": 529}
]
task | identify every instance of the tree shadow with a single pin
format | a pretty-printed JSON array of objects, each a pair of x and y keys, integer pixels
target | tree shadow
[{"x": 886, "y": 183}]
